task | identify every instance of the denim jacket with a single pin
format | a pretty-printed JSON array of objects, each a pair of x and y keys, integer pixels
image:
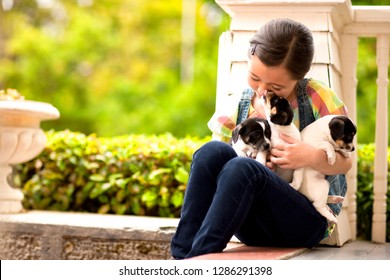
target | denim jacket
[{"x": 338, "y": 183}]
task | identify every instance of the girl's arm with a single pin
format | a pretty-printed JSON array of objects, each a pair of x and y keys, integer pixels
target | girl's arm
[{"x": 296, "y": 154}]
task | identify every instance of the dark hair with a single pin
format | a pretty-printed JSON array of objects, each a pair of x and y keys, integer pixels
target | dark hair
[{"x": 284, "y": 42}]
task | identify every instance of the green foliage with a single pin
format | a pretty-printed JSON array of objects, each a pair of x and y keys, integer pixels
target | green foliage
[
  {"x": 138, "y": 175},
  {"x": 113, "y": 62},
  {"x": 120, "y": 62},
  {"x": 364, "y": 195},
  {"x": 135, "y": 174},
  {"x": 370, "y": 2},
  {"x": 366, "y": 87},
  {"x": 367, "y": 91}
]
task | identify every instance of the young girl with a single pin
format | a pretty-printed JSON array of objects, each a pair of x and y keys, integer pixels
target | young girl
[{"x": 229, "y": 195}]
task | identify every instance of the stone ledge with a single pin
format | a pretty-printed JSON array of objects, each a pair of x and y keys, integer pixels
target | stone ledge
[
  {"x": 63, "y": 235},
  {"x": 50, "y": 235}
]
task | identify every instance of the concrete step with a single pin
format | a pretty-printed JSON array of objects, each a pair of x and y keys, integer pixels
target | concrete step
[{"x": 49, "y": 235}]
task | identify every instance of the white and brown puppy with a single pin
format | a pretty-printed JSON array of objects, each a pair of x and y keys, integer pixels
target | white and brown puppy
[
  {"x": 330, "y": 133},
  {"x": 280, "y": 115},
  {"x": 251, "y": 138}
]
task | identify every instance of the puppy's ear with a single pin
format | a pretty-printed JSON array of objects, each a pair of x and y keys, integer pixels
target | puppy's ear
[
  {"x": 281, "y": 118},
  {"x": 267, "y": 130},
  {"x": 336, "y": 127},
  {"x": 236, "y": 132}
]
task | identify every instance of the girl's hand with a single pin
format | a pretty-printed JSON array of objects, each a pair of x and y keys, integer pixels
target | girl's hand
[{"x": 294, "y": 154}]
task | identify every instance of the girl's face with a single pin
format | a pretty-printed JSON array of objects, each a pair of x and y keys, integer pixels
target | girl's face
[{"x": 262, "y": 78}]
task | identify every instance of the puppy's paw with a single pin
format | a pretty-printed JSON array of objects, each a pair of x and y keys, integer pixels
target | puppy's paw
[
  {"x": 261, "y": 157},
  {"x": 240, "y": 153},
  {"x": 294, "y": 185},
  {"x": 328, "y": 214},
  {"x": 331, "y": 158},
  {"x": 297, "y": 179},
  {"x": 333, "y": 221},
  {"x": 250, "y": 154},
  {"x": 345, "y": 153},
  {"x": 330, "y": 217},
  {"x": 329, "y": 150}
]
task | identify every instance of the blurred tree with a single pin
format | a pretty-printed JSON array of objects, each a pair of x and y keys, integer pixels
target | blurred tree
[
  {"x": 113, "y": 67},
  {"x": 367, "y": 87}
]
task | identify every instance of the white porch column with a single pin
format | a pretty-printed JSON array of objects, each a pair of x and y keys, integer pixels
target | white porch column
[
  {"x": 381, "y": 137},
  {"x": 349, "y": 59}
]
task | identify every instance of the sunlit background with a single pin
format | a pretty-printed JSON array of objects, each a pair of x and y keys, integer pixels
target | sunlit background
[{"x": 116, "y": 67}]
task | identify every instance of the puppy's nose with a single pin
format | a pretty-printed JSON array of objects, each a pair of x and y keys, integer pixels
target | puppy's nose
[
  {"x": 267, "y": 146},
  {"x": 350, "y": 148}
]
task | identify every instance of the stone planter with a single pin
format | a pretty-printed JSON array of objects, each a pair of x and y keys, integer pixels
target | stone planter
[{"x": 21, "y": 139}]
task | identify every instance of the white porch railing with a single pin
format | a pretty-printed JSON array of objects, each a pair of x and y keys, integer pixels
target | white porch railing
[
  {"x": 336, "y": 27},
  {"x": 374, "y": 21}
]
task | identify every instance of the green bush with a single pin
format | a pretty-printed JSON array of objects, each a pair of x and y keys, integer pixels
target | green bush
[
  {"x": 138, "y": 175},
  {"x": 135, "y": 174},
  {"x": 364, "y": 195}
]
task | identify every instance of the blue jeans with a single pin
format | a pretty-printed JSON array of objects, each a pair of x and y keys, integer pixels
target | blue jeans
[{"x": 228, "y": 195}]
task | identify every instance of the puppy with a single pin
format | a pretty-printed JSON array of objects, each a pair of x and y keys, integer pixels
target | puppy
[
  {"x": 280, "y": 115},
  {"x": 330, "y": 133},
  {"x": 251, "y": 138}
]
